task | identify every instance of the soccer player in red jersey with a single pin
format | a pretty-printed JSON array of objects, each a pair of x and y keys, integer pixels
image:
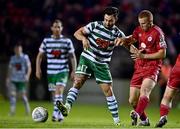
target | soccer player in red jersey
[
  {"x": 148, "y": 60},
  {"x": 173, "y": 86}
]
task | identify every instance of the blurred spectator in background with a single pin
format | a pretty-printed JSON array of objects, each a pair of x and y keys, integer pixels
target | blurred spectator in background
[
  {"x": 19, "y": 71},
  {"x": 163, "y": 77},
  {"x": 59, "y": 51}
]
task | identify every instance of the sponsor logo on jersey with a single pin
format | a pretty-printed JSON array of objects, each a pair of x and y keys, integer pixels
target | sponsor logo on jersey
[
  {"x": 102, "y": 43},
  {"x": 149, "y": 38},
  {"x": 56, "y": 53}
]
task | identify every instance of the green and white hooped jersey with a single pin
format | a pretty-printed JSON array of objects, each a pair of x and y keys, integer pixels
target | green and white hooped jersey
[
  {"x": 57, "y": 52},
  {"x": 101, "y": 42},
  {"x": 18, "y": 66}
]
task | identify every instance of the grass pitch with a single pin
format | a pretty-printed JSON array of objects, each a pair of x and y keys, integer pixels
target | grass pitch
[{"x": 81, "y": 116}]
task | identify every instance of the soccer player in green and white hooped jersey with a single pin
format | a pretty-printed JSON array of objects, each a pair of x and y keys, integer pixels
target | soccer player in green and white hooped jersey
[
  {"x": 59, "y": 51},
  {"x": 98, "y": 42},
  {"x": 19, "y": 71}
]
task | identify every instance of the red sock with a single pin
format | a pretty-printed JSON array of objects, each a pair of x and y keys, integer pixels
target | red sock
[
  {"x": 143, "y": 116},
  {"x": 164, "y": 110},
  {"x": 142, "y": 104}
]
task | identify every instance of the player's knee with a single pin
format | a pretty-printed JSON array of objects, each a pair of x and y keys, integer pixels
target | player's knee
[
  {"x": 108, "y": 92},
  {"x": 145, "y": 92},
  {"x": 132, "y": 102},
  {"x": 13, "y": 94}
]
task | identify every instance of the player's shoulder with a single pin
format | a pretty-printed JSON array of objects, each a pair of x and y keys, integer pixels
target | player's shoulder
[
  {"x": 47, "y": 38},
  {"x": 118, "y": 31},
  {"x": 65, "y": 37},
  {"x": 12, "y": 57},
  {"x": 24, "y": 55},
  {"x": 115, "y": 28},
  {"x": 98, "y": 22},
  {"x": 158, "y": 30},
  {"x": 138, "y": 28}
]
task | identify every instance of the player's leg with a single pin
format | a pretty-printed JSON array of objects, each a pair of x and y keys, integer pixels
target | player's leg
[
  {"x": 133, "y": 100},
  {"x": 82, "y": 73},
  {"x": 57, "y": 83},
  {"x": 111, "y": 101},
  {"x": 145, "y": 91},
  {"x": 72, "y": 95},
  {"x": 104, "y": 79},
  {"x": 172, "y": 88},
  {"x": 22, "y": 89},
  {"x": 134, "y": 94},
  {"x": 58, "y": 96},
  {"x": 165, "y": 105},
  {"x": 12, "y": 97}
]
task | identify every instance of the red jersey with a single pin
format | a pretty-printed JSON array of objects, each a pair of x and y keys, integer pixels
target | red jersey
[
  {"x": 178, "y": 61},
  {"x": 150, "y": 42}
]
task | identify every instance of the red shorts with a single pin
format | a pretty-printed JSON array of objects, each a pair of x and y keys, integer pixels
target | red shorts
[
  {"x": 174, "y": 78},
  {"x": 144, "y": 72}
]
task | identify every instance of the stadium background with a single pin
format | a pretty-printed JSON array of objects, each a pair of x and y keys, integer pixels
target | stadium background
[{"x": 29, "y": 21}]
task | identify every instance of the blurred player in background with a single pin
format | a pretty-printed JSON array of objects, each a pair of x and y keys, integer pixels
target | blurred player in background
[
  {"x": 98, "y": 43},
  {"x": 148, "y": 60},
  {"x": 19, "y": 71},
  {"x": 172, "y": 88},
  {"x": 59, "y": 51}
]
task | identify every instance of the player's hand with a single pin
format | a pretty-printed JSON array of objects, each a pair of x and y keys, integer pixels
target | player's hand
[
  {"x": 72, "y": 75},
  {"x": 85, "y": 43},
  {"x": 137, "y": 55},
  {"x": 133, "y": 49},
  {"x": 119, "y": 41},
  {"x": 38, "y": 74}
]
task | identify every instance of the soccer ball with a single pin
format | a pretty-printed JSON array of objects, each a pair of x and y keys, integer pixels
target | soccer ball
[{"x": 40, "y": 114}]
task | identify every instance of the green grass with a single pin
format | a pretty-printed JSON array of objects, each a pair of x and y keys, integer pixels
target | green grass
[{"x": 81, "y": 116}]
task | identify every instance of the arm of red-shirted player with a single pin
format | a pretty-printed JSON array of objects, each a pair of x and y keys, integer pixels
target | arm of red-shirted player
[
  {"x": 157, "y": 55},
  {"x": 127, "y": 42}
]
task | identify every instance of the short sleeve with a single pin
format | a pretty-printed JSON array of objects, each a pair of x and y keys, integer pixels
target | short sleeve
[
  {"x": 42, "y": 47},
  {"x": 27, "y": 60},
  {"x": 160, "y": 41},
  {"x": 71, "y": 47},
  {"x": 89, "y": 27}
]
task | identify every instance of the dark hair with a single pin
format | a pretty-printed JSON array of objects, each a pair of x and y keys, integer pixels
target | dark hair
[
  {"x": 111, "y": 11},
  {"x": 57, "y": 21},
  {"x": 18, "y": 44}
]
